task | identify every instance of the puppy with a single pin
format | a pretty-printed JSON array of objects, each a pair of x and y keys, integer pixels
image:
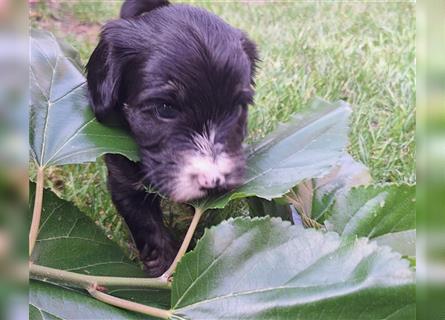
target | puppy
[{"x": 180, "y": 79}]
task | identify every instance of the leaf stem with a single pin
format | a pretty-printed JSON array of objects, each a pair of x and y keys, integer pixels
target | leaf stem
[
  {"x": 37, "y": 212},
  {"x": 185, "y": 243},
  {"x": 128, "y": 305},
  {"x": 84, "y": 281},
  {"x": 308, "y": 222}
]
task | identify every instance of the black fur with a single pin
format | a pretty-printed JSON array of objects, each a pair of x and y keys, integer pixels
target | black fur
[
  {"x": 133, "y": 8},
  {"x": 170, "y": 73}
]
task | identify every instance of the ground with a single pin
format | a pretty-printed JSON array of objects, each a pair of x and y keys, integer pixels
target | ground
[{"x": 361, "y": 53}]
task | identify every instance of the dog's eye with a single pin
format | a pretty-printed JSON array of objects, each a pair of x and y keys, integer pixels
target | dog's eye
[{"x": 166, "y": 111}]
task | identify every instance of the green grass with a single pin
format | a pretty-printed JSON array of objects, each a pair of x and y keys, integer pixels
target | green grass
[
  {"x": 92, "y": 11},
  {"x": 362, "y": 53}
]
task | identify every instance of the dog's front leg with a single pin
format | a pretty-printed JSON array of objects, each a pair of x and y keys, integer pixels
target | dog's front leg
[{"x": 142, "y": 213}]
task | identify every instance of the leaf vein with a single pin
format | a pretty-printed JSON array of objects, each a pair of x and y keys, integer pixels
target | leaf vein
[{"x": 70, "y": 139}]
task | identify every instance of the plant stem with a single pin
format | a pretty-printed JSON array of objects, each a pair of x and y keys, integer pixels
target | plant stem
[
  {"x": 128, "y": 305},
  {"x": 37, "y": 212},
  {"x": 307, "y": 221},
  {"x": 185, "y": 243},
  {"x": 85, "y": 281}
]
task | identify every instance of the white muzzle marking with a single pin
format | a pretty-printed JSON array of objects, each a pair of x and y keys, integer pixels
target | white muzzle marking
[{"x": 204, "y": 169}]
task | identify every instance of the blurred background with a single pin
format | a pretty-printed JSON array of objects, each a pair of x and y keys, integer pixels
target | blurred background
[
  {"x": 431, "y": 160},
  {"x": 361, "y": 52},
  {"x": 13, "y": 159}
]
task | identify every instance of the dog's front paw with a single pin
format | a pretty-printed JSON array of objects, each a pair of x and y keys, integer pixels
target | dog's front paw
[{"x": 157, "y": 257}]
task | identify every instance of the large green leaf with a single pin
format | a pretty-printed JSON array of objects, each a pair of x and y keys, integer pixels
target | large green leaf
[
  {"x": 346, "y": 174},
  {"x": 315, "y": 197},
  {"x": 265, "y": 268},
  {"x": 47, "y": 301},
  {"x": 63, "y": 128},
  {"x": 69, "y": 240},
  {"x": 386, "y": 213},
  {"x": 305, "y": 147}
]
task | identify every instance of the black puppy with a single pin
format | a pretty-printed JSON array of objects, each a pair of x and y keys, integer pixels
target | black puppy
[{"x": 180, "y": 79}]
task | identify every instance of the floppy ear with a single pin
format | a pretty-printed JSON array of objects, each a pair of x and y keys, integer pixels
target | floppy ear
[
  {"x": 103, "y": 79},
  {"x": 252, "y": 53},
  {"x": 118, "y": 42}
]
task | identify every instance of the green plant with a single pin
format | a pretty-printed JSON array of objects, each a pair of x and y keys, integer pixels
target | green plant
[{"x": 250, "y": 268}]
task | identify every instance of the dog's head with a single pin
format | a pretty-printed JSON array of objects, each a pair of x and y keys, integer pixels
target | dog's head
[{"x": 182, "y": 79}]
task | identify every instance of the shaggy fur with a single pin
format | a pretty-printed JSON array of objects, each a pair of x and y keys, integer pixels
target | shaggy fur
[{"x": 180, "y": 79}]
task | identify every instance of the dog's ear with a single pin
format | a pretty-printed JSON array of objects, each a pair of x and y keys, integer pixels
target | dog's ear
[
  {"x": 252, "y": 53},
  {"x": 103, "y": 80},
  {"x": 118, "y": 40},
  {"x": 133, "y": 8}
]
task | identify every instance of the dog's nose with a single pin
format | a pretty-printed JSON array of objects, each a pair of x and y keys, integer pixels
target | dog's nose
[{"x": 210, "y": 181}]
